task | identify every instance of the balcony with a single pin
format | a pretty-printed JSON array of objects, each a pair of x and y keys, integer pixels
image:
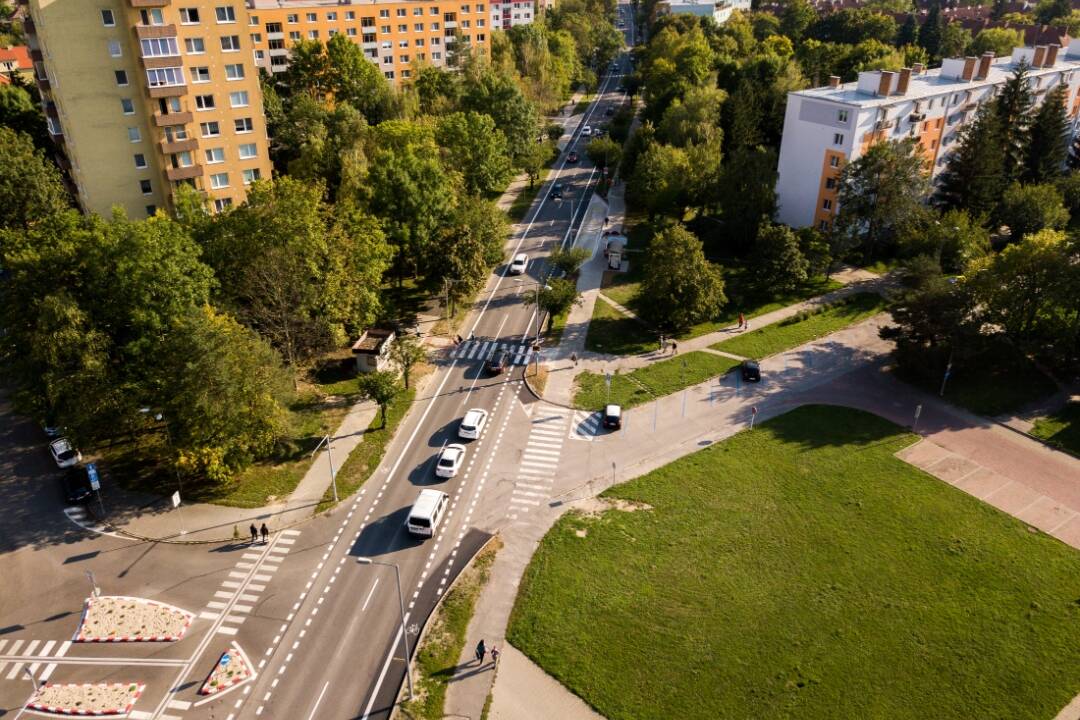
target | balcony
[
  {"x": 278, "y": 52},
  {"x": 43, "y": 83},
  {"x": 164, "y": 91},
  {"x": 36, "y": 55},
  {"x": 184, "y": 173},
  {"x": 51, "y": 111},
  {"x": 175, "y": 118},
  {"x": 275, "y": 36},
  {"x": 179, "y": 146},
  {"x": 160, "y": 61},
  {"x": 149, "y": 3},
  {"x": 29, "y": 26},
  {"x": 147, "y": 32}
]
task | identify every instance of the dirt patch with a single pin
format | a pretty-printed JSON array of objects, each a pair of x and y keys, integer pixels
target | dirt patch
[
  {"x": 597, "y": 506},
  {"x": 116, "y": 618},
  {"x": 537, "y": 379},
  {"x": 86, "y": 699}
]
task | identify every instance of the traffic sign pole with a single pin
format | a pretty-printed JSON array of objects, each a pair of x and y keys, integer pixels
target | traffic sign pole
[{"x": 753, "y": 414}]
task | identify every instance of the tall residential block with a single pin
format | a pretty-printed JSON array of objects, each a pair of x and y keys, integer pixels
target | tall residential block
[
  {"x": 827, "y": 127},
  {"x": 143, "y": 96}
]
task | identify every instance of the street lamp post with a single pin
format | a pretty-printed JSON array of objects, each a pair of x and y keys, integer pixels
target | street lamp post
[
  {"x": 329, "y": 456},
  {"x": 401, "y": 604},
  {"x": 33, "y": 680},
  {"x": 160, "y": 417}
]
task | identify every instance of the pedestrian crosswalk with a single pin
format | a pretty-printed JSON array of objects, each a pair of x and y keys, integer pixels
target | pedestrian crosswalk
[
  {"x": 585, "y": 425},
  {"x": 18, "y": 656},
  {"x": 483, "y": 350},
  {"x": 540, "y": 459},
  {"x": 238, "y": 606},
  {"x": 82, "y": 517}
]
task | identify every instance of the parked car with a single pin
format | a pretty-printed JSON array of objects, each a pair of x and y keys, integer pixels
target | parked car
[
  {"x": 557, "y": 191},
  {"x": 519, "y": 264},
  {"x": 751, "y": 371},
  {"x": 572, "y": 157},
  {"x": 76, "y": 485},
  {"x": 498, "y": 362},
  {"x": 472, "y": 424},
  {"x": 599, "y": 132},
  {"x": 64, "y": 454},
  {"x": 612, "y": 417},
  {"x": 586, "y": 131},
  {"x": 450, "y": 459}
]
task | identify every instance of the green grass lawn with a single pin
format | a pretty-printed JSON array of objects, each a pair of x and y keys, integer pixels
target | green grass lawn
[
  {"x": 800, "y": 570},
  {"x": 655, "y": 380},
  {"x": 612, "y": 332},
  {"x": 796, "y": 330},
  {"x": 1062, "y": 429}
]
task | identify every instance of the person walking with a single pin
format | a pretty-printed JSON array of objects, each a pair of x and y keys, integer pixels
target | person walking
[
  {"x": 265, "y": 532},
  {"x": 674, "y": 347},
  {"x": 254, "y": 533},
  {"x": 481, "y": 651},
  {"x": 663, "y": 343},
  {"x": 573, "y": 358},
  {"x": 495, "y": 656},
  {"x": 742, "y": 321}
]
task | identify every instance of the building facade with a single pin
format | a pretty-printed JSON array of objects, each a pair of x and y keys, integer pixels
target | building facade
[
  {"x": 718, "y": 11},
  {"x": 825, "y": 128}
]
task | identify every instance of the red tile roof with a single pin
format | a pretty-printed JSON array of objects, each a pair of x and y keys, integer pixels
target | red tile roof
[{"x": 17, "y": 57}]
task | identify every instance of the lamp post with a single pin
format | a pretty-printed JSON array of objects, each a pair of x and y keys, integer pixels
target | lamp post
[
  {"x": 329, "y": 456},
  {"x": 33, "y": 680},
  {"x": 160, "y": 417},
  {"x": 401, "y": 604}
]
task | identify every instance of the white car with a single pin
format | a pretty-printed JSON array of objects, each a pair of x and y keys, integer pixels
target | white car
[
  {"x": 586, "y": 131},
  {"x": 518, "y": 264},
  {"x": 64, "y": 453},
  {"x": 472, "y": 424},
  {"x": 450, "y": 460}
]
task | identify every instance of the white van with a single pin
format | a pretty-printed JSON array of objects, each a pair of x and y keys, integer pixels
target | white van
[{"x": 426, "y": 512}]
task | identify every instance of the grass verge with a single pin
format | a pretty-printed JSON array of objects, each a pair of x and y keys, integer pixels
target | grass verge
[
  {"x": 652, "y": 381},
  {"x": 800, "y": 570},
  {"x": 804, "y": 327},
  {"x": 1062, "y": 429},
  {"x": 438, "y": 655},
  {"x": 612, "y": 332}
]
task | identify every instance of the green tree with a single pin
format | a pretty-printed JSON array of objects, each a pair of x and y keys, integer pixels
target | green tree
[
  {"x": 554, "y": 298},
  {"x": 467, "y": 248},
  {"x": 815, "y": 248},
  {"x": 955, "y": 39},
  {"x": 537, "y": 156},
  {"x": 485, "y": 91},
  {"x": 694, "y": 118},
  {"x": 749, "y": 193},
  {"x": 777, "y": 265},
  {"x": 854, "y": 25},
  {"x": 406, "y": 352},
  {"x": 877, "y": 192},
  {"x": 474, "y": 147},
  {"x": 932, "y": 29},
  {"x": 659, "y": 180},
  {"x": 21, "y": 113},
  {"x": 30, "y": 186},
  {"x": 1049, "y": 10},
  {"x": 795, "y": 17},
  {"x": 1000, "y": 41},
  {"x": 1013, "y": 105},
  {"x": 682, "y": 287},
  {"x": 974, "y": 176},
  {"x": 1069, "y": 187},
  {"x": 604, "y": 152},
  {"x": 909, "y": 31},
  {"x": 1028, "y": 209},
  {"x": 568, "y": 260},
  {"x": 354, "y": 79},
  {"x": 953, "y": 238},
  {"x": 380, "y": 387},
  {"x": 1048, "y": 141}
]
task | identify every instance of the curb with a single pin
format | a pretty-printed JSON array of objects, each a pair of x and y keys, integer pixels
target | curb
[
  {"x": 93, "y": 713},
  {"x": 188, "y": 618}
]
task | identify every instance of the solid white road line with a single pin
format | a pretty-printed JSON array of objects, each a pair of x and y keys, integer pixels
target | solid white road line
[
  {"x": 319, "y": 700},
  {"x": 373, "y": 586}
]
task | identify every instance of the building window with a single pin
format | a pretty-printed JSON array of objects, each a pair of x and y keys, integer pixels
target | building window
[
  {"x": 292, "y": 19},
  {"x": 165, "y": 77},
  {"x": 834, "y": 161},
  {"x": 332, "y": 32},
  {"x": 436, "y": 41},
  {"x": 152, "y": 16},
  {"x": 823, "y": 225},
  {"x": 418, "y": 27},
  {"x": 403, "y": 59},
  {"x": 389, "y": 74},
  {"x": 134, "y": 135},
  {"x": 204, "y": 102},
  {"x": 140, "y": 161},
  {"x": 480, "y": 23},
  {"x": 351, "y": 32},
  {"x": 826, "y": 204},
  {"x": 294, "y": 36},
  {"x": 219, "y": 180},
  {"x": 127, "y": 105},
  {"x": 433, "y": 10},
  {"x": 254, "y": 20},
  {"x": 312, "y": 17},
  {"x": 480, "y": 37},
  {"x": 234, "y": 72},
  {"x": 420, "y": 43},
  {"x": 466, "y": 24},
  {"x": 225, "y": 14},
  {"x": 367, "y": 22},
  {"x": 384, "y": 13},
  {"x": 313, "y": 34},
  {"x": 418, "y": 12},
  {"x": 183, "y": 159},
  {"x": 159, "y": 47},
  {"x": 331, "y": 16},
  {"x": 189, "y": 16},
  {"x": 841, "y": 116},
  {"x": 251, "y": 175},
  {"x": 838, "y": 139},
  {"x": 114, "y": 49},
  {"x": 401, "y": 12},
  {"x": 194, "y": 46},
  {"x": 350, "y": 15},
  {"x": 406, "y": 73},
  {"x": 403, "y": 43},
  {"x": 175, "y": 133},
  {"x": 256, "y": 38},
  {"x": 243, "y": 125},
  {"x": 222, "y": 204},
  {"x": 384, "y": 28},
  {"x": 210, "y": 129},
  {"x": 436, "y": 56},
  {"x": 215, "y": 155},
  {"x": 830, "y": 183},
  {"x": 238, "y": 99},
  {"x": 107, "y": 18},
  {"x": 464, "y": 8},
  {"x": 388, "y": 60},
  {"x": 230, "y": 43},
  {"x": 403, "y": 28},
  {"x": 248, "y": 151},
  {"x": 145, "y": 187},
  {"x": 200, "y": 74}
]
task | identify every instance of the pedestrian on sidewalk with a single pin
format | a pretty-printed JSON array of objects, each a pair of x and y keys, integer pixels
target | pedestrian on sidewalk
[
  {"x": 265, "y": 532},
  {"x": 573, "y": 358},
  {"x": 495, "y": 656},
  {"x": 674, "y": 347},
  {"x": 481, "y": 651},
  {"x": 663, "y": 343},
  {"x": 254, "y": 533},
  {"x": 742, "y": 321}
]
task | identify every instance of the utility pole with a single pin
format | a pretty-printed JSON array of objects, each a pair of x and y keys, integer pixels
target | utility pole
[{"x": 329, "y": 456}]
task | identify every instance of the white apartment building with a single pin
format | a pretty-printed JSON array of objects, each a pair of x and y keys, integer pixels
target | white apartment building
[
  {"x": 826, "y": 127},
  {"x": 720, "y": 11},
  {"x": 511, "y": 14}
]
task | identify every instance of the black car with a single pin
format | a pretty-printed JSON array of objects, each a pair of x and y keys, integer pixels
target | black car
[
  {"x": 572, "y": 157},
  {"x": 76, "y": 484},
  {"x": 556, "y": 192},
  {"x": 751, "y": 371},
  {"x": 498, "y": 362},
  {"x": 609, "y": 111}
]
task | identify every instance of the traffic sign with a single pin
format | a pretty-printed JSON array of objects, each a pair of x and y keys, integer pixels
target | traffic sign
[
  {"x": 918, "y": 411},
  {"x": 607, "y": 380},
  {"x": 754, "y": 410},
  {"x": 225, "y": 659},
  {"x": 176, "y": 499},
  {"x": 92, "y": 473}
]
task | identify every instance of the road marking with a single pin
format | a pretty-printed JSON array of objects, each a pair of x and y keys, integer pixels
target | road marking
[
  {"x": 30, "y": 648},
  {"x": 47, "y": 672},
  {"x": 241, "y": 608},
  {"x": 179, "y": 704},
  {"x": 216, "y": 605},
  {"x": 14, "y": 670},
  {"x": 319, "y": 700},
  {"x": 226, "y": 630},
  {"x": 209, "y": 615},
  {"x": 230, "y": 584}
]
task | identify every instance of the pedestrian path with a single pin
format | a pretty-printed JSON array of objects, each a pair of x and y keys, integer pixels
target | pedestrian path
[
  {"x": 484, "y": 349},
  {"x": 79, "y": 515},
  {"x": 18, "y": 656},
  {"x": 586, "y": 425},
  {"x": 540, "y": 460},
  {"x": 268, "y": 558}
]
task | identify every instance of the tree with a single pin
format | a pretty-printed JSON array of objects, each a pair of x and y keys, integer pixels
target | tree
[
  {"x": 474, "y": 147},
  {"x": 1048, "y": 143},
  {"x": 467, "y": 248},
  {"x": 932, "y": 30},
  {"x": 974, "y": 176},
  {"x": 659, "y": 180},
  {"x": 909, "y": 31},
  {"x": 1069, "y": 187},
  {"x": 853, "y": 25},
  {"x": 1000, "y": 41},
  {"x": 1027, "y": 209},
  {"x": 604, "y": 152},
  {"x": 877, "y": 191},
  {"x": 954, "y": 238},
  {"x": 955, "y": 39},
  {"x": 555, "y": 298},
  {"x": 569, "y": 260},
  {"x": 777, "y": 264},
  {"x": 795, "y": 17},
  {"x": 682, "y": 287},
  {"x": 380, "y": 387},
  {"x": 406, "y": 352},
  {"x": 997, "y": 11},
  {"x": 749, "y": 196},
  {"x": 354, "y": 79},
  {"x": 486, "y": 91},
  {"x": 535, "y": 159},
  {"x": 19, "y": 112},
  {"x": 1013, "y": 105},
  {"x": 815, "y": 248},
  {"x": 30, "y": 186},
  {"x": 693, "y": 118},
  {"x": 1049, "y": 10}
]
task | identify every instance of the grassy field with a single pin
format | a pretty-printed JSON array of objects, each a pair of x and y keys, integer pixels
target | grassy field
[
  {"x": 438, "y": 655},
  {"x": 1062, "y": 429},
  {"x": 800, "y": 570},
  {"x": 612, "y": 332},
  {"x": 644, "y": 384},
  {"x": 796, "y": 330}
]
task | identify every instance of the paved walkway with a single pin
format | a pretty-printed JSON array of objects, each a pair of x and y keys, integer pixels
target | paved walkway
[{"x": 525, "y": 692}]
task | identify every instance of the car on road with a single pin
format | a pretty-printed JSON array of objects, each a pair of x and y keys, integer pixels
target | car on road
[
  {"x": 64, "y": 453},
  {"x": 586, "y": 131},
  {"x": 612, "y": 417},
  {"x": 572, "y": 157},
  {"x": 472, "y": 424},
  {"x": 498, "y": 362},
  {"x": 598, "y": 132},
  {"x": 76, "y": 485},
  {"x": 609, "y": 111},
  {"x": 426, "y": 512},
  {"x": 621, "y": 88},
  {"x": 751, "y": 371},
  {"x": 450, "y": 459},
  {"x": 557, "y": 191},
  {"x": 519, "y": 264}
]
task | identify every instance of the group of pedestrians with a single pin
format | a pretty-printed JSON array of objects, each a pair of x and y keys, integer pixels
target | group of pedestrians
[
  {"x": 481, "y": 652},
  {"x": 255, "y": 532},
  {"x": 665, "y": 344}
]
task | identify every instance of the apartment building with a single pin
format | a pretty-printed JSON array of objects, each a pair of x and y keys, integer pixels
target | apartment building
[
  {"x": 394, "y": 34},
  {"x": 718, "y": 11},
  {"x": 143, "y": 96},
  {"x": 827, "y": 127}
]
